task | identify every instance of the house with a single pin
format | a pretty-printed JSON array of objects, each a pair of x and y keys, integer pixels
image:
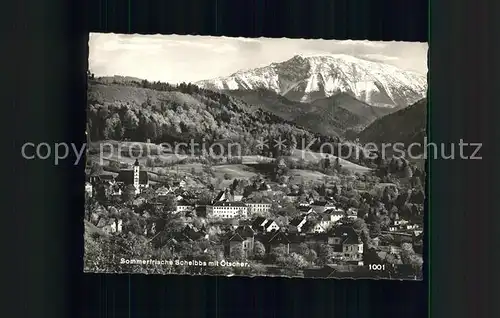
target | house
[
  {"x": 393, "y": 228},
  {"x": 399, "y": 222},
  {"x": 245, "y": 231},
  {"x": 295, "y": 241},
  {"x": 321, "y": 206},
  {"x": 88, "y": 189},
  {"x": 410, "y": 226},
  {"x": 244, "y": 237},
  {"x": 237, "y": 198},
  {"x": 296, "y": 224},
  {"x": 292, "y": 197},
  {"x": 352, "y": 213},
  {"x": 180, "y": 184},
  {"x": 334, "y": 214},
  {"x": 304, "y": 203},
  {"x": 271, "y": 226},
  {"x": 265, "y": 225},
  {"x": 305, "y": 209},
  {"x": 115, "y": 190},
  {"x": 162, "y": 200},
  {"x": 139, "y": 179},
  {"x": 258, "y": 208},
  {"x": 258, "y": 223},
  {"x": 245, "y": 243},
  {"x": 281, "y": 163},
  {"x": 223, "y": 196},
  {"x": 183, "y": 206},
  {"x": 227, "y": 210},
  {"x": 327, "y": 221},
  {"x": 418, "y": 242},
  {"x": 106, "y": 179},
  {"x": 347, "y": 244},
  {"x": 110, "y": 226},
  {"x": 278, "y": 239},
  {"x": 163, "y": 190},
  {"x": 190, "y": 233},
  {"x": 316, "y": 238},
  {"x": 314, "y": 227}
]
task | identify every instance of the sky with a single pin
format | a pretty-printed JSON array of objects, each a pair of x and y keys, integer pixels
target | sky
[{"x": 188, "y": 58}]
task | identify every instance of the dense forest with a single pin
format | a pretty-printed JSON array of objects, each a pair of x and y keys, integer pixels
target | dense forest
[
  {"x": 407, "y": 126},
  {"x": 160, "y": 112}
]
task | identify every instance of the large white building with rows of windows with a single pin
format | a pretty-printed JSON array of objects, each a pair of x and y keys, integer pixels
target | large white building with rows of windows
[
  {"x": 258, "y": 208},
  {"x": 227, "y": 210}
]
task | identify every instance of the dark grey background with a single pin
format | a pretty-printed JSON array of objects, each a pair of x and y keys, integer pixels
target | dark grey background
[{"x": 45, "y": 89}]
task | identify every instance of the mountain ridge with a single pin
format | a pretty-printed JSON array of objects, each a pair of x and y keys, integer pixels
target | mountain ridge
[
  {"x": 333, "y": 115},
  {"x": 307, "y": 78},
  {"x": 408, "y": 125}
]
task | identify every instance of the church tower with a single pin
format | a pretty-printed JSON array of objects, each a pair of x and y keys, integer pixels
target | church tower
[{"x": 136, "y": 176}]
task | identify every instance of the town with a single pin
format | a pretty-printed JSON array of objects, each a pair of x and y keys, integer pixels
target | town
[{"x": 281, "y": 224}]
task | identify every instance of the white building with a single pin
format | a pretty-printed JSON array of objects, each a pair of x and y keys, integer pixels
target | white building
[
  {"x": 258, "y": 208},
  {"x": 316, "y": 228},
  {"x": 271, "y": 226},
  {"x": 88, "y": 189},
  {"x": 334, "y": 215},
  {"x": 183, "y": 206},
  {"x": 227, "y": 210}
]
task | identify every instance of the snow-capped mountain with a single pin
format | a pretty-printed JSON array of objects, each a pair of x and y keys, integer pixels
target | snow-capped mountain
[{"x": 307, "y": 78}]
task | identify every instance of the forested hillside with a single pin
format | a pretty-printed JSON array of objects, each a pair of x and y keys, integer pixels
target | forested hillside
[
  {"x": 165, "y": 113},
  {"x": 406, "y": 126}
]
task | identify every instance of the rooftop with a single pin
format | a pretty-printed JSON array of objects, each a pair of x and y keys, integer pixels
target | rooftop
[{"x": 230, "y": 204}]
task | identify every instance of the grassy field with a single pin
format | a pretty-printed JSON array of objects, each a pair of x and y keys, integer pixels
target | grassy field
[
  {"x": 299, "y": 176},
  {"x": 315, "y": 157},
  {"x": 235, "y": 171}
]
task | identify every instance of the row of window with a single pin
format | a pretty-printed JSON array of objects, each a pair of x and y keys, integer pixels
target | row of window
[{"x": 228, "y": 208}]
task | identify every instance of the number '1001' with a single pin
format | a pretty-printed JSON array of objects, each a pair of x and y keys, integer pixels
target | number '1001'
[{"x": 377, "y": 267}]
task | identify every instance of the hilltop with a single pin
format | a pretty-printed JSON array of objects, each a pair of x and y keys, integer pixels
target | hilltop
[{"x": 407, "y": 125}]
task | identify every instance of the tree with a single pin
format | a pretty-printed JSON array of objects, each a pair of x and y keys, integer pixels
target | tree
[
  {"x": 415, "y": 182},
  {"x": 409, "y": 257},
  {"x": 259, "y": 250},
  {"x": 278, "y": 254},
  {"x": 237, "y": 253},
  {"x": 375, "y": 229},
  {"x": 402, "y": 199},
  {"x": 309, "y": 254},
  {"x": 205, "y": 197},
  {"x": 294, "y": 261},
  {"x": 325, "y": 254},
  {"x": 128, "y": 193},
  {"x": 96, "y": 169},
  {"x": 361, "y": 228},
  {"x": 327, "y": 162},
  {"x": 148, "y": 193},
  {"x": 289, "y": 210},
  {"x": 169, "y": 203},
  {"x": 337, "y": 165},
  {"x": 417, "y": 197},
  {"x": 408, "y": 173}
]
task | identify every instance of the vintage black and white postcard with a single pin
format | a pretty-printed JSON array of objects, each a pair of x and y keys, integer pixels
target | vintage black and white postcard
[{"x": 255, "y": 156}]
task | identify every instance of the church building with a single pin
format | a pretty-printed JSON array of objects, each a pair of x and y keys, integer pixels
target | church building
[{"x": 139, "y": 179}]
